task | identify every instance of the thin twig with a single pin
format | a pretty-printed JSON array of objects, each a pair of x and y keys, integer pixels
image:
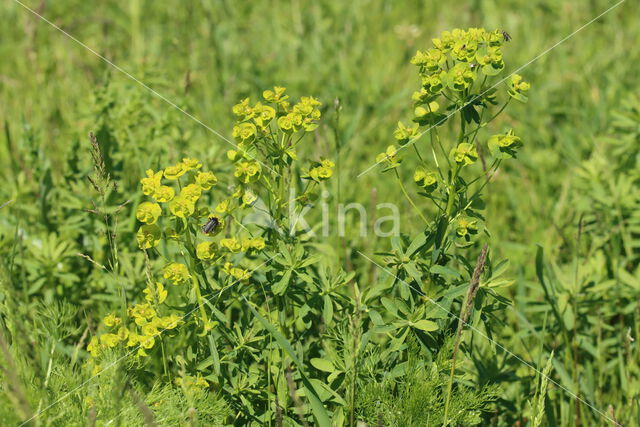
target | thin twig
[{"x": 465, "y": 311}]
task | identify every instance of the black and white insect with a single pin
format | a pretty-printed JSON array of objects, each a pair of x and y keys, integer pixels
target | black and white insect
[
  {"x": 507, "y": 36},
  {"x": 211, "y": 225}
]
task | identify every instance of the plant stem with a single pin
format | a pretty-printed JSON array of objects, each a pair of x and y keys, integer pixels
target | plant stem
[
  {"x": 465, "y": 311},
  {"x": 452, "y": 192},
  {"x": 404, "y": 191}
]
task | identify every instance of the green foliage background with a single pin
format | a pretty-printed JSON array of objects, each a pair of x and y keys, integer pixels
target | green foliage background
[{"x": 573, "y": 192}]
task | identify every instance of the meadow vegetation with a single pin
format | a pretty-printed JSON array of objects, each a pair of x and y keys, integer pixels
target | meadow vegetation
[{"x": 156, "y": 267}]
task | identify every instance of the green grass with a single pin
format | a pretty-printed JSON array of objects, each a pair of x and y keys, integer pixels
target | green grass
[{"x": 572, "y": 192}]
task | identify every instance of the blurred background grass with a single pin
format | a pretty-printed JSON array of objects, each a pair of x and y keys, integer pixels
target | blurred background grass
[{"x": 206, "y": 55}]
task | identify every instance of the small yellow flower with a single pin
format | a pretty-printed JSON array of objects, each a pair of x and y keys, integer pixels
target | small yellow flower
[
  {"x": 248, "y": 198},
  {"x": 389, "y": 156},
  {"x": 256, "y": 243},
  {"x": 159, "y": 294},
  {"x": 425, "y": 179},
  {"x": 134, "y": 339},
  {"x": 191, "y": 164},
  {"x": 223, "y": 206},
  {"x": 243, "y": 109},
  {"x": 150, "y": 329},
  {"x": 182, "y": 207},
  {"x": 94, "y": 346},
  {"x": 176, "y": 272},
  {"x": 238, "y": 192},
  {"x": 111, "y": 320},
  {"x": 148, "y": 236},
  {"x": 465, "y": 227},
  {"x": 206, "y": 180},
  {"x": 206, "y": 250},
  {"x": 148, "y": 212},
  {"x": 275, "y": 96},
  {"x": 231, "y": 244},
  {"x": 191, "y": 192},
  {"x": 151, "y": 182},
  {"x": 244, "y": 132},
  {"x": 201, "y": 382},
  {"x": 174, "y": 172},
  {"x": 247, "y": 171},
  {"x": 142, "y": 311},
  {"x": 286, "y": 123},
  {"x": 109, "y": 340},
  {"x": 163, "y": 194},
  {"x": 320, "y": 171},
  {"x": 264, "y": 114},
  {"x": 464, "y": 154},
  {"x": 169, "y": 322},
  {"x": 240, "y": 274},
  {"x": 327, "y": 163},
  {"x": 145, "y": 343},
  {"x": 123, "y": 333}
]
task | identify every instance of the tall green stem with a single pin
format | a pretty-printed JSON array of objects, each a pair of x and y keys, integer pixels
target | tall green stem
[{"x": 404, "y": 191}]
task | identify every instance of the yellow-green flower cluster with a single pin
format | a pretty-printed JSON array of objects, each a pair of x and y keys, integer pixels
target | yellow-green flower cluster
[
  {"x": 504, "y": 146},
  {"x": 405, "y": 133},
  {"x": 247, "y": 171},
  {"x": 518, "y": 88},
  {"x": 320, "y": 171},
  {"x": 389, "y": 157},
  {"x": 254, "y": 120},
  {"x": 206, "y": 251},
  {"x": 148, "y": 236},
  {"x": 269, "y": 129},
  {"x": 231, "y": 244},
  {"x": 182, "y": 205},
  {"x": 456, "y": 61},
  {"x": 156, "y": 294},
  {"x": 259, "y": 123},
  {"x": 237, "y": 273},
  {"x": 466, "y": 228},
  {"x": 464, "y": 154},
  {"x": 148, "y": 212},
  {"x": 177, "y": 273},
  {"x": 246, "y": 244},
  {"x": 146, "y": 325},
  {"x": 426, "y": 179}
]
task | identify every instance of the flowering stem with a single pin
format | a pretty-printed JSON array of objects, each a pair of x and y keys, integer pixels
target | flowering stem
[
  {"x": 203, "y": 313},
  {"x": 194, "y": 279}
]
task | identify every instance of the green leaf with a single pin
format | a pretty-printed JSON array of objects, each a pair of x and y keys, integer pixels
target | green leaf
[
  {"x": 376, "y": 318},
  {"x": 327, "y": 310},
  {"x": 412, "y": 270},
  {"x": 417, "y": 244},
  {"x": 323, "y": 365},
  {"x": 447, "y": 274},
  {"x": 426, "y": 325},
  {"x": 214, "y": 354},
  {"x": 282, "y": 285},
  {"x": 389, "y": 305}
]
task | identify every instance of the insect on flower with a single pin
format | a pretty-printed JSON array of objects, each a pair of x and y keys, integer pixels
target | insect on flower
[
  {"x": 507, "y": 36},
  {"x": 211, "y": 225}
]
